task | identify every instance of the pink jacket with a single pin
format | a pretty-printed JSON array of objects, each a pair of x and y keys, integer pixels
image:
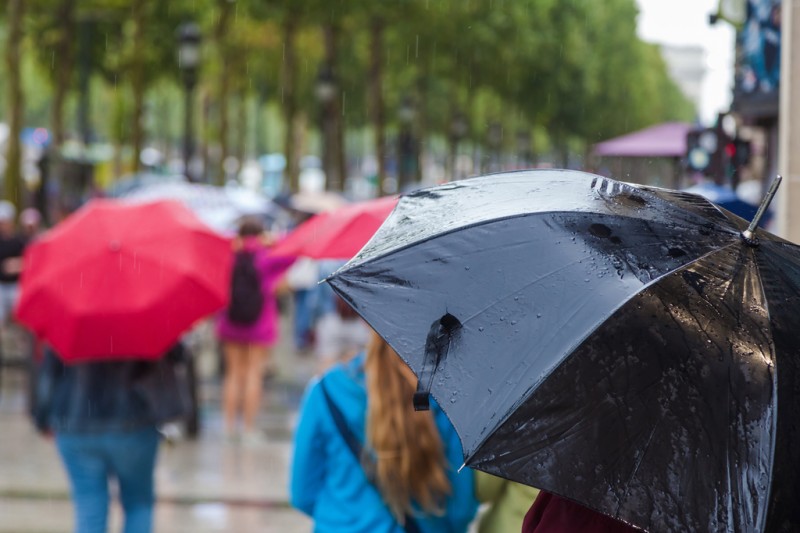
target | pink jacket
[{"x": 265, "y": 329}]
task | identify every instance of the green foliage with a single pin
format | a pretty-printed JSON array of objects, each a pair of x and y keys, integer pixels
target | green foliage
[{"x": 565, "y": 69}]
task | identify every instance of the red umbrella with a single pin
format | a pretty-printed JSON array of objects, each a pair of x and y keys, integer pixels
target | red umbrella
[
  {"x": 122, "y": 281},
  {"x": 338, "y": 234}
]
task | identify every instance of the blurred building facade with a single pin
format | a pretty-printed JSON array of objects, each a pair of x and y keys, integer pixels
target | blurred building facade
[{"x": 687, "y": 68}]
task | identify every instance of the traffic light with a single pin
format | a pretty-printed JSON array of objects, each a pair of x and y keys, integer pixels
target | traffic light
[
  {"x": 737, "y": 155},
  {"x": 701, "y": 147},
  {"x": 739, "y": 152}
]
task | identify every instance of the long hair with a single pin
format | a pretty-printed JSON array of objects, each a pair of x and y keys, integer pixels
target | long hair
[{"x": 409, "y": 456}]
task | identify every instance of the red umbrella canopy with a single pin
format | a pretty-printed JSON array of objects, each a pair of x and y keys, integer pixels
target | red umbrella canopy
[
  {"x": 123, "y": 281},
  {"x": 338, "y": 234}
]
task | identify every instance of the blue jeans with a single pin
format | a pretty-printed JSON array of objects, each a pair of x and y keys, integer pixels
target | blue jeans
[
  {"x": 305, "y": 302},
  {"x": 92, "y": 458}
]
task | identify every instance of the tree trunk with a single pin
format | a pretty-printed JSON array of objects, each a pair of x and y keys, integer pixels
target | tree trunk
[
  {"x": 205, "y": 129},
  {"x": 376, "y": 98},
  {"x": 222, "y": 28},
  {"x": 563, "y": 150},
  {"x": 288, "y": 80},
  {"x": 13, "y": 174},
  {"x": 243, "y": 129},
  {"x": 333, "y": 121},
  {"x": 422, "y": 124},
  {"x": 137, "y": 82},
  {"x": 64, "y": 62}
]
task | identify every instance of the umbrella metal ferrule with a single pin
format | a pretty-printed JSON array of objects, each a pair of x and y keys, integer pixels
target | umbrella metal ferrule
[{"x": 749, "y": 235}]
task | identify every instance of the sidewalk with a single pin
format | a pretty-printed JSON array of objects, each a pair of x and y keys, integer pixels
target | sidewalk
[{"x": 205, "y": 485}]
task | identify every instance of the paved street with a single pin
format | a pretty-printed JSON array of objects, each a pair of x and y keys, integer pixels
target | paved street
[{"x": 205, "y": 485}]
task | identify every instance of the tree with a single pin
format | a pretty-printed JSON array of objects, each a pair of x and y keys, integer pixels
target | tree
[
  {"x": 137, "y": 67},
  {"x": 16, "y": 102}
]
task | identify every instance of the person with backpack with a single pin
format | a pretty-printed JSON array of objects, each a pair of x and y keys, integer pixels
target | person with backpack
[{"x": 249, "y": 327}]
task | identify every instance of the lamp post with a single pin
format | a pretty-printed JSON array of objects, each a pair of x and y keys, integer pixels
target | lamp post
[
  {"x": 523, "y": 148},
  {"x": 494, "y": 137},
  {"x": 189, "y": 39},
  {"x": 325, "y": 91},
  {"x": 406, "y": 149},
  {"x": 458, "y": 130}
]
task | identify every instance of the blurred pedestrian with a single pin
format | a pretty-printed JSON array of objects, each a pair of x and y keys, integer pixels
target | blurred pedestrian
[
  {"x": 340, "y": 334},
  {"x": 364, "y": 461},
  {"x": 30, "y": 223},
  {"x": 104, "y": 416},
  {"x": 302, "y": 279},
  {"x": 553, "y": 514},
  {"x": 11, "y": 250},
  {"x": 508, "y": 503},
  {"x": 249, "y": 328}
]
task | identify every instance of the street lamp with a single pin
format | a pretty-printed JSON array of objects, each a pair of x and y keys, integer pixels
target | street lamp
[
  {"x": 458, "y": 130},
  {"x": 326, "y": 84},
  {"x": 189, "y": 39},
  {"x": 406, "y": 150},
  {"x": 523, "y": 148},
  {"x": 325, "y": 92},
  {"x": 494, "y": 138}
]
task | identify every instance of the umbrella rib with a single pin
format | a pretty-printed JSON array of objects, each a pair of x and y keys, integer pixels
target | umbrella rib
[
  {"x": 639, "y": 463},
  {"x": 773, "y": 435}
]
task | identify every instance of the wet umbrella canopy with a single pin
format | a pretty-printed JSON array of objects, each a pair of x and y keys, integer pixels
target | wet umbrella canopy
[{"x": 618, "y": 345}]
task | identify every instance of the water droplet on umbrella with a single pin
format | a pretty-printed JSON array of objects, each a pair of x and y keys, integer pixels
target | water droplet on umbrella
[
  {"x": 538, "y": 315},
  {"x": 480, "y": 328},
  {"x": 466, "y": 268}
]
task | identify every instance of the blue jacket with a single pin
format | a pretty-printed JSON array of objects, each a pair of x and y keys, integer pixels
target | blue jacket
[
  {"x": 329, "y": 485},
  {"x": 97, "y": 396}
]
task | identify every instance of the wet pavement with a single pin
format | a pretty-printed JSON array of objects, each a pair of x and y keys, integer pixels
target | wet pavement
[{"x": 203, "y": 485}]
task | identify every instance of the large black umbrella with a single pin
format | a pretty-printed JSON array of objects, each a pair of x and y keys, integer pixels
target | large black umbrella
[{"x": 622, "y": 346}]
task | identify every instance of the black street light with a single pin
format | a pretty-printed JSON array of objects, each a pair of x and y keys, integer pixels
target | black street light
[
  {"x": 189, "y": 39},
  {"x": 406, "y": 148},
  {"x": 523, "y": 148},
  {"x": 494, "y": 138},
  {"x": 459, "y": 127},
  {"x": 325, "y": 92}
]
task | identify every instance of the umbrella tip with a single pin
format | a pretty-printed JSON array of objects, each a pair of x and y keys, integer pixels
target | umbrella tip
[{"x": 749, "y": 235}]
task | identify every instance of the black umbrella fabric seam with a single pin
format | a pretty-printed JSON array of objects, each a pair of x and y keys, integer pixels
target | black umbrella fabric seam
[{"x": 774, "y": 432}]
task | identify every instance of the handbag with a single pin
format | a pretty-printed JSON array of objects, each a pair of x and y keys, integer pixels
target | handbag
[
  {"x": 166, "y": 387},
  {"x": 356, "y": 448}
]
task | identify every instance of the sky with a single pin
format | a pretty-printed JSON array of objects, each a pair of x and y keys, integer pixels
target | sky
[{"x": 685, "y": 22}]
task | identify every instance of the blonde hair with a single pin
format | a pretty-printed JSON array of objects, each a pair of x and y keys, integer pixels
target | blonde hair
[{"x": 409, "y": 456}]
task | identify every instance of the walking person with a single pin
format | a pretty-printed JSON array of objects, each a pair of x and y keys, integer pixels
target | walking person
[
  {"x": 364, "y": 461},
  {"x": 12, "y": 246},
  {"x": 249, "y": 328},
  {"x": 104, "y": 417}
]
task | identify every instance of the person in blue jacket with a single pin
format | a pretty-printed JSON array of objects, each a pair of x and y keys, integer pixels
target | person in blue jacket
[{"x": 408, "y": 478}]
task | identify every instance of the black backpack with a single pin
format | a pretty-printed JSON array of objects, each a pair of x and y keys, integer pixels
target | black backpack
[{"x": 247, "y": 298}]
